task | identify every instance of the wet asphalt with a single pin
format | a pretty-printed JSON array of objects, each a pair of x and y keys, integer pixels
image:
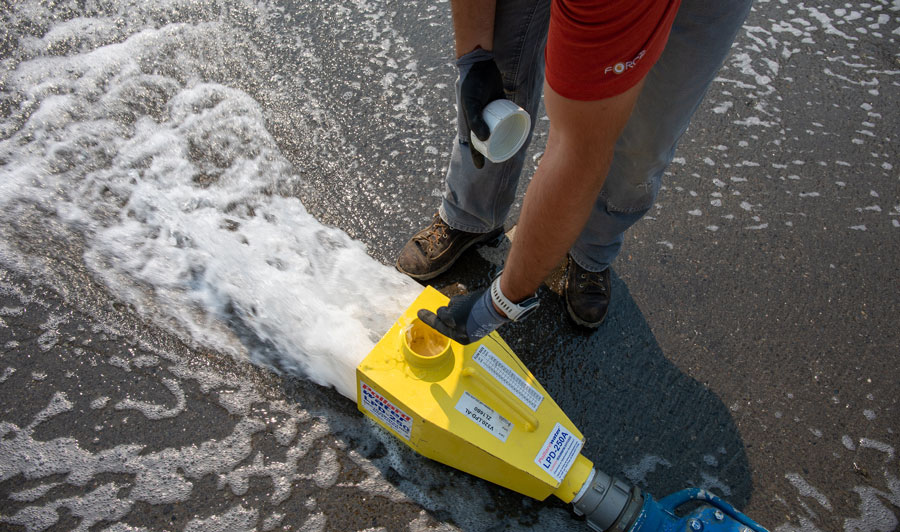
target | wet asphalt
[{"x": 751, "y": 347}]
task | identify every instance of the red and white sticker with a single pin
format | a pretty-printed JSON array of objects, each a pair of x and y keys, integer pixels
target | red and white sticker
[
  {"x": 559, "y": 452},
  {"x": 389, "y": 414}
]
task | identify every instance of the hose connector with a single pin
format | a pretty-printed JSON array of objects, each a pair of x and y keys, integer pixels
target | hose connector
[{"x": 608, "y": 504}]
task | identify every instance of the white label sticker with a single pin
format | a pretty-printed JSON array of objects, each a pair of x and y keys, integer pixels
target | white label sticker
[
  {"x": 484, "y": 416},
  {"x": 559, "y": 452},
  {"x": 384, "y": 410},
  {"x": 507, "y": 377}
]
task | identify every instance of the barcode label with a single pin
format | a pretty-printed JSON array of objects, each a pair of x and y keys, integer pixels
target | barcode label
[{"x": 507, "y": 377}]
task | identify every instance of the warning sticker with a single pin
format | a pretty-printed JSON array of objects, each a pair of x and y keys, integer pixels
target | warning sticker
[
  {"x": 385, "y": 410},
  {"x": 559, "y": 452},
  {"x": 484, "y": 416},
  {"x": 507, "y": 377}
]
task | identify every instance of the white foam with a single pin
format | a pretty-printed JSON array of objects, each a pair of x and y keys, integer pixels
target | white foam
[
  {"x": 33, "y": 494},
  {"x": 272, "y": 521},
  {"x": 175, "y": 206},
  {"x": 806, "y": 490},
  {"x": 711, "y": 482},
  {"x": 888, "y": 450},
  {"x": 7, "y": 373},
  {"x": 314, "y": 523},
  {"x": 155, "y": 411},
  {"x": 875, "y": 516},
  {"x": 637, "y": 473},
  {"x": 237, "y": 519},
  {"x": 723, "y": 107}
]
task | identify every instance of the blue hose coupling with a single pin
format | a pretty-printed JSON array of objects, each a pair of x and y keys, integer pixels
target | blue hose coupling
[{"x": 714, "y": 516}]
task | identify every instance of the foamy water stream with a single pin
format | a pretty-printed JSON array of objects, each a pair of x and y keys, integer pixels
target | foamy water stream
[{"x": 173, "y": 182}]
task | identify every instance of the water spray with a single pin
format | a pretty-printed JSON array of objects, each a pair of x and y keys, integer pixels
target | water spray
[{"x": 477, "y": 408}]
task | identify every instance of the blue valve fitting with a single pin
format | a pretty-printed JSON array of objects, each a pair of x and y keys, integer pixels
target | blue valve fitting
[{"x": 715, "y": 516}]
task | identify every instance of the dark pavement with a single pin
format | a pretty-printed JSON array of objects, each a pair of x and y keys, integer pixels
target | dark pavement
[{"x": 752, "y": 346}]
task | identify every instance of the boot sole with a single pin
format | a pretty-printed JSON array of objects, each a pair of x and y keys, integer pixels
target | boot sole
[{"x": 490, "y": 239}]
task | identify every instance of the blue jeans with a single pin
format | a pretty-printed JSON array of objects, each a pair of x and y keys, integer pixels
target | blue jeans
[{"x": 478, "y": 201}]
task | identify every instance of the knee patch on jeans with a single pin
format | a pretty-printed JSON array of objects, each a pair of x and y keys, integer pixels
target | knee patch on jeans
[{"x": 630, "y": 197}]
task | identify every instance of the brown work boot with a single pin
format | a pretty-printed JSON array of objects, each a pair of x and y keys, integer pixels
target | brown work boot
[
  {"x": 587, "y": 295},
  {"x": 432, "y": 251}
]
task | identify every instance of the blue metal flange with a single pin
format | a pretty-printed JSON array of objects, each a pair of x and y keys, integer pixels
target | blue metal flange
[{"x": 714, "y": 516}]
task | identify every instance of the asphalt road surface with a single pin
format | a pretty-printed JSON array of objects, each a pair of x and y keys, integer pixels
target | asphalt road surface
[{"x": 751, "y": 348}]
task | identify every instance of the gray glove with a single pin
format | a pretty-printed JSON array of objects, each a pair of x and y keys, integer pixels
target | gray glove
[
  {"x": 480, "y": 84},
  {"x": 466, "y": 318}
]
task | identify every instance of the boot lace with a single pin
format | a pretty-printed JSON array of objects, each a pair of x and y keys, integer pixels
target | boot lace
[
  {"x": 593, "y": 281},
  {"x": 431, "y": 240}
]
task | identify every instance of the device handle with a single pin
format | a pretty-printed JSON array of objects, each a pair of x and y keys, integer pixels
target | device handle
[{"x": 529, "y": 421}]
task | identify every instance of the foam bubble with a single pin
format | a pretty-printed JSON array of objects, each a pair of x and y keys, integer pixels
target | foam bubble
[
  {"x": 237, "y": 519},
  {"x": 806, "y": 490},
  {"x": 637, "y": 473}
]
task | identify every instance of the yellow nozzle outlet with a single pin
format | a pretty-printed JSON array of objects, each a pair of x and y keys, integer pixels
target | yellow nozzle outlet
[
  {"x": 424, "y": 347},
  {"x": 474, "y": 407},
  {"x": 575, "y": 480}
]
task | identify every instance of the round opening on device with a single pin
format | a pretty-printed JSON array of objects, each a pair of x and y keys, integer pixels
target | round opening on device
[{"x": 422, "y": 345}]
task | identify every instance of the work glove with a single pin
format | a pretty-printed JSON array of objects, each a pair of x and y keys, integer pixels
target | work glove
[
  {"x": 481, "y": 83},
  {"x": 466, "y": 318}
]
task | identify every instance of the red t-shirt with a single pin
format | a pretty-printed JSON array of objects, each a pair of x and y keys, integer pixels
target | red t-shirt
[{"x": 597, "y": 49}]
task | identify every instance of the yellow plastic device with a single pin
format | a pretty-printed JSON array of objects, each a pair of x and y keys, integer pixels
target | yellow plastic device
[{"x": 476, "y": 408}]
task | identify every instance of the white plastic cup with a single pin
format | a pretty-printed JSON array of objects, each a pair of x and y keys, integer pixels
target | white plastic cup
[{"x": 509, "y": 125}]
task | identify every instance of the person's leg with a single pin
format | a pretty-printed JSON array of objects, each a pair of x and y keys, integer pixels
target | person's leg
[
  {"x": 477, "y": 201},
  {"x": 700, "y": 40}
]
